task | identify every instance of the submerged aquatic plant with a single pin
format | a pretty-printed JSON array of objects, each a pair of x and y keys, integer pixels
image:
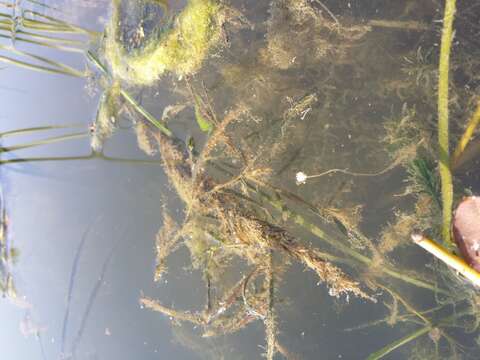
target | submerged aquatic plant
[
  {"x": 180, "y": 48},
  {"x": 220, "y": 226},
  {"x": 233, "y": 211},
  {"x": 237, "y": 210}
]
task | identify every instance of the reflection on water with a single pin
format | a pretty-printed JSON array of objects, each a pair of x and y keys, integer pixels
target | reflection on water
[{"x": 285, "y": 149}]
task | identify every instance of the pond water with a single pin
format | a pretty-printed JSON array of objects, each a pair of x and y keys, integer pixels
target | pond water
[{"x": 165, "y": 216}]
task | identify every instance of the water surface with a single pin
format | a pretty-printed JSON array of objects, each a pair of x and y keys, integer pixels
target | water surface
[{"x": 318, "y": 96}]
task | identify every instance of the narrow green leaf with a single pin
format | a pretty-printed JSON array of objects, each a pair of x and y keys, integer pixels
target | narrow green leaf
[
  {"x": 398, "y": 343},
  {"x": 204, "y": 124},
  {"x": 145, "y": 113},
  {"x": 55, "y": 67},
  {"x": 38, "y": 129},
  {"x": 51, "y": 140}
]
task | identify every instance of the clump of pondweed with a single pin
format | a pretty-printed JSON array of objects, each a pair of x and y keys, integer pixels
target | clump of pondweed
[
  {"x": 179, "y": 47},
  {"x": 220, "y": 226}
]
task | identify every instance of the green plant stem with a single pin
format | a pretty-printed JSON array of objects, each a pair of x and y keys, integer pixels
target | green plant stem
[
  {"x": 44, "y": 43},
  {"x": 44, "y": 37},
  {"x": 54, "y": 67},
  {"x": 38, "y": 129},
  {"x": 60, "y": 23},
  {"x": 93, "y": 58},
  {"x": 51, "y": 140},
  {"x": 43, "y": 5},
  {"x": 398, "y": 343},
  {"x": 443, "y": 132},
  {"x": 140, "y": 109},
  {"x": 93, "y": 155},
  {"x": 40, "y": 68},
  {"x": 44, "y": 27}
]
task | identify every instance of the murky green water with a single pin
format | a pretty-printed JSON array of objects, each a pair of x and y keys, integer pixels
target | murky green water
[{"x": 196, "y": 118}]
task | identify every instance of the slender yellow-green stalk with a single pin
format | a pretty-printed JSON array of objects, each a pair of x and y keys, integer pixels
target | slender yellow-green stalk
[
  {"x": 467, "y": 135},
  {"x": 444, "y": 156}
]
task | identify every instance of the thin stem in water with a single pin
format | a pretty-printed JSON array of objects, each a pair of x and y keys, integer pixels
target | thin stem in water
[{"x": 443, "y": 132}]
